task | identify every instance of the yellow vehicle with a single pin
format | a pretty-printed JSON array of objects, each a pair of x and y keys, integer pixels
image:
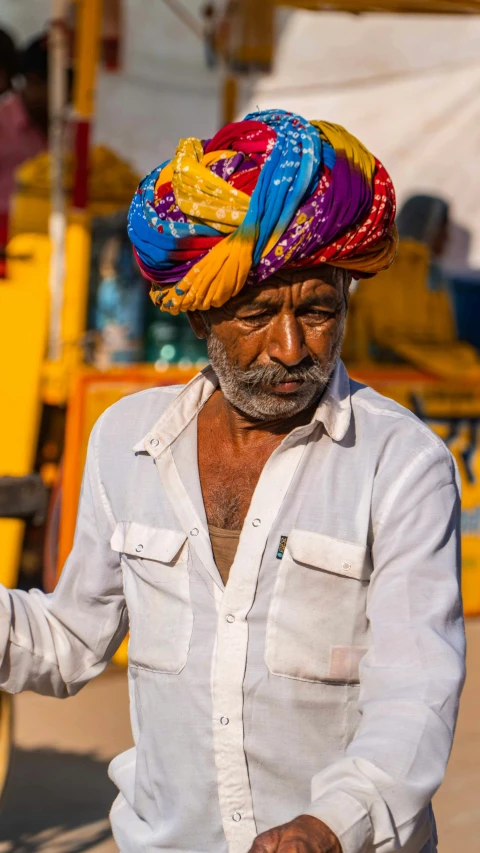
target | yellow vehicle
[{"x": 50, "y": 399}]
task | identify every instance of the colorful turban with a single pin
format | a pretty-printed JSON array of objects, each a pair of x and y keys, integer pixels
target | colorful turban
[{"x": 268, "y": 192}]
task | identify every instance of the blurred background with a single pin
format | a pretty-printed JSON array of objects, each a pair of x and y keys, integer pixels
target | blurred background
[{"x": 94, "y": 94}]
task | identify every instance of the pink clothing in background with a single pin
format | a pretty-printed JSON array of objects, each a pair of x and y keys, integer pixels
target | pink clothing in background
[{"x": 19, "y": 141}]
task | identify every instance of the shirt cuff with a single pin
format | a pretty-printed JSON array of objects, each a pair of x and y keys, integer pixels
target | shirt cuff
[
  {"x": 348, "y": 819},
  {"x": 5, "y": 621}
]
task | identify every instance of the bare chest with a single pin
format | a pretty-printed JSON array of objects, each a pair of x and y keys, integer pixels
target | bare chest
[{"x": 228, "y": 479}]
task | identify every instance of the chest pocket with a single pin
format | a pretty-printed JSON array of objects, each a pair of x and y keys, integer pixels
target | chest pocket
[
  {"x": 157, "y": 592},
  {"x": 317, "y": 627}
]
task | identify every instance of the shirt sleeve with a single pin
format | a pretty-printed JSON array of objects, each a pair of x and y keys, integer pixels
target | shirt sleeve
[
  {"x": 53, "y": 644},
  {"x": 411, "y": 678}
]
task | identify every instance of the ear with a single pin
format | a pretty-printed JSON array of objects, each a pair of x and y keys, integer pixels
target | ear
[{"x": 197, "y": 322}]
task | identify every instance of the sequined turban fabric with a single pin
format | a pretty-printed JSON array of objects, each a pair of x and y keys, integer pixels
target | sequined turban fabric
[{"x": 268, "y": 192}]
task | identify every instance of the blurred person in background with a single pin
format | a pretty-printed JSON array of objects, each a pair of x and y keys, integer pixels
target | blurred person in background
[
  {"x": 8, "y": 62},
  {"x": 281, "y": 542},
  {"x": 34, "y": 87},
  {"x": 23, "y": 118},
  {"x": 426, "y": 218}
]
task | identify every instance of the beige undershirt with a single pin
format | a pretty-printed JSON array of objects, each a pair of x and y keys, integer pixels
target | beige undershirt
[{"x": 224, "y": 547}]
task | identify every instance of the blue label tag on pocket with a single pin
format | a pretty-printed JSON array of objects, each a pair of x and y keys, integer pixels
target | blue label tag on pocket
[{"x": 281, "y": 547}]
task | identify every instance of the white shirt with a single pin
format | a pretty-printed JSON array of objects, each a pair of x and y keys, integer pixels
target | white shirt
[{"x": 322, "y": 681}]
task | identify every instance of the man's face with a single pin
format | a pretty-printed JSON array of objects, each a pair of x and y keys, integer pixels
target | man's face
[{"x": 274, "y": 346}]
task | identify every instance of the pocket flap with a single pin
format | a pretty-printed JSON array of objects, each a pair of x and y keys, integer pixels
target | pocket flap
[
  {"x": 329, "y": 554},
  {"x": 153, "y": 543}
]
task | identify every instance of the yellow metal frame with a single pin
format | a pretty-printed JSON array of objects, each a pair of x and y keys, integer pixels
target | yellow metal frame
[
  {"x": 27, "y": 380},
  {"x": 24, "y": 305},
  {"x": 87, "y": 54},
  {"x": 58, "y": 374}
]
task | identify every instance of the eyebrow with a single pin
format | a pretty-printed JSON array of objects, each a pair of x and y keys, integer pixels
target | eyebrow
[{"x": 327, "y": 300}]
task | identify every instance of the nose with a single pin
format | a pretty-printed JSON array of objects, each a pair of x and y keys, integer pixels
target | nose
[{"x": 286, "y": 341}]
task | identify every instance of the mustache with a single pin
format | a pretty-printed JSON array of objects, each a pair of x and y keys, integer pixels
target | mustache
[{"x": 309, "y": 370}]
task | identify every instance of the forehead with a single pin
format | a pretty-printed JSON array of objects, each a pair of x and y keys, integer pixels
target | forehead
[{"x": 296, "y": 286}]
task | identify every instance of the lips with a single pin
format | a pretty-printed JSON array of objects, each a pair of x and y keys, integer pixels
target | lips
[{"x": 288, "y": 387}]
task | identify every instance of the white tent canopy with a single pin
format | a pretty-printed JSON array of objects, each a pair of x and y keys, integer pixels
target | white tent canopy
[{"x": 407, "y": 86}]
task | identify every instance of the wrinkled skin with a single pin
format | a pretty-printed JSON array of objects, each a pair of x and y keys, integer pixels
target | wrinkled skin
[
  {"x": 305, "y": 834},
  {"x": 291, "y": 321}
]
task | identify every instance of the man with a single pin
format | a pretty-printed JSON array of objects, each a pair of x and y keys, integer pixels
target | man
[{"x": 281, "y": 541}]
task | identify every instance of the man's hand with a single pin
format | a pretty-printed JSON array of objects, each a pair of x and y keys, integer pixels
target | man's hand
[{"x": 305, "y": 834}]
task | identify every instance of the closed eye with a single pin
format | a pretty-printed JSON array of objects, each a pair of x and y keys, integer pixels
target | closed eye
[
  {"x": 258, "y": 318},
  {"x": 317, "y": 314}
]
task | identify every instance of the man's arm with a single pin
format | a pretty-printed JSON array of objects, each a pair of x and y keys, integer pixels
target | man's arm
[
  {"x": 410, "y": 680},
  {"x": 54, "y": 644}
]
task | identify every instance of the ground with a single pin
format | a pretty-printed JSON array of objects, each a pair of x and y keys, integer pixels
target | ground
[{"x": 58, "y": 795}]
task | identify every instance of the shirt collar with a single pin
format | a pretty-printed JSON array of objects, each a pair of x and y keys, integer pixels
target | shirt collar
[
  {"x": 335, "y": 407},
  {"x": 181, "y": 411},
  {"x": 334, "y": 410}
]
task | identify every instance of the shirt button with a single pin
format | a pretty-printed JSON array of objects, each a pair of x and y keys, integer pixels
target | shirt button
[
  {"x": 230, "y": 617},
  {"x": 194, "y": 531},
  {"x": 346, "y": 566},
  {"x": 224, "y": 721},
  {"x": 139, "y": 548},
  {"x": 154, "y": 442},
  {"x": 236, "y": 817},
  {"x": 256, "y": 522}
]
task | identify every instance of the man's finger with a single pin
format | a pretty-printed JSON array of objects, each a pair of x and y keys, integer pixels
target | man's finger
[{"x": 266, "y": 842}]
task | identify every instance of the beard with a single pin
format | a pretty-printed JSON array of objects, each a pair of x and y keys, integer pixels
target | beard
[{"x": 249, "y": 392}]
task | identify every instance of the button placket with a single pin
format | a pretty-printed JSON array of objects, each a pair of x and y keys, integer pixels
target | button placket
[{"x": 232, "y": 646}]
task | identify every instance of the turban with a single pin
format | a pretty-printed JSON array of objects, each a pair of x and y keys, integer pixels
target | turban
[{"x": 268, "y": 192}]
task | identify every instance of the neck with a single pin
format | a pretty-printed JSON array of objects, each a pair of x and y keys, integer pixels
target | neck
[{"x": 242, "y": 429}]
